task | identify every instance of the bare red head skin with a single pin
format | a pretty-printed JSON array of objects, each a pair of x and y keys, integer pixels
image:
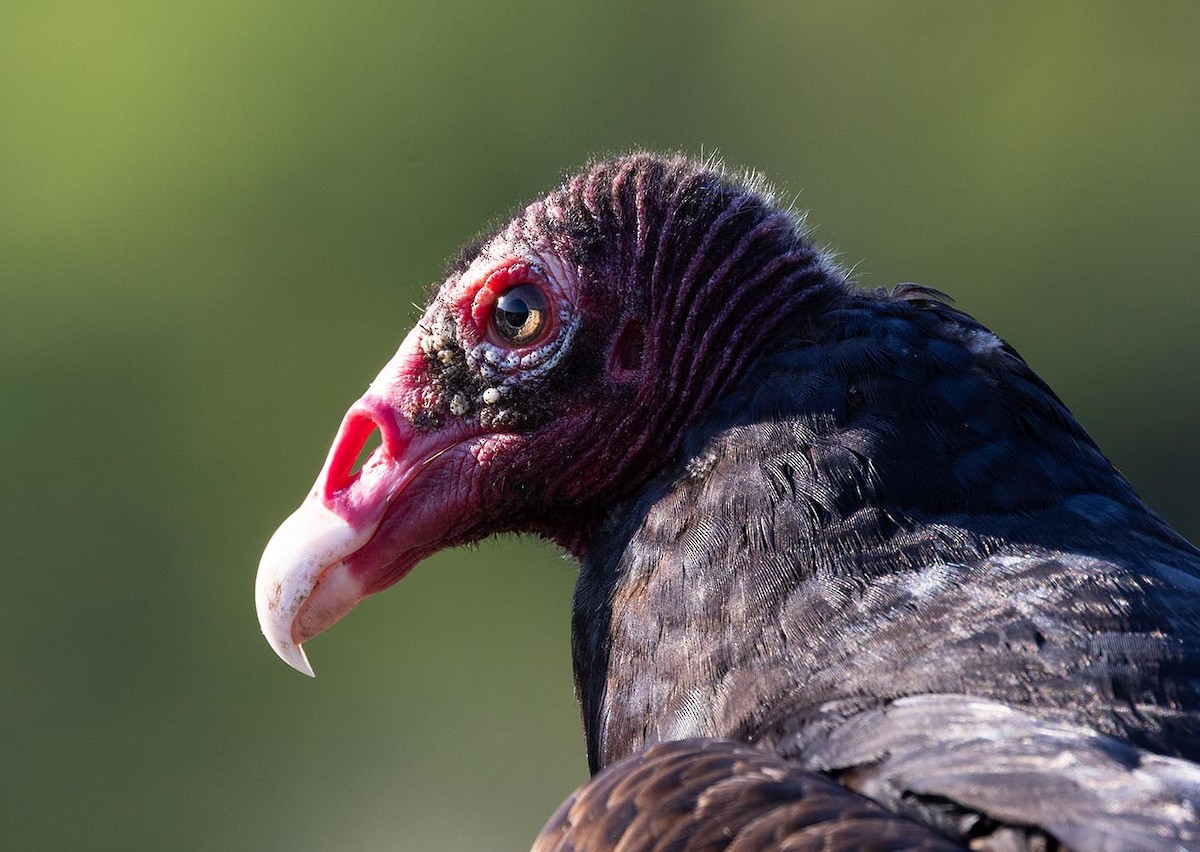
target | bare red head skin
[{"x": 553, "y": 374}]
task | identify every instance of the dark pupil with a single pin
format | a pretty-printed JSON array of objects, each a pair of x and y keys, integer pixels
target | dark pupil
[
  {"x": 512, "y": 312},
  {"x": 520, "y": 314}
]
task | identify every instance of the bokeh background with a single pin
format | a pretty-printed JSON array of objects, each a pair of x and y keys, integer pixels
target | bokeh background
[{"x": 214, "y": 217}]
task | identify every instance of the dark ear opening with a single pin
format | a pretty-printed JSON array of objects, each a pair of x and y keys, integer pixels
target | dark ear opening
[{"x": 626, "y": 358}]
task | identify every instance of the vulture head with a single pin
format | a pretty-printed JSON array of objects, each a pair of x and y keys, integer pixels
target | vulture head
[{"x": 554, "y": 372}]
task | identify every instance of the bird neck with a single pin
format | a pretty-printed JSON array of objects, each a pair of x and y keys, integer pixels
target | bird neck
[{"x": 906, "y": 436}]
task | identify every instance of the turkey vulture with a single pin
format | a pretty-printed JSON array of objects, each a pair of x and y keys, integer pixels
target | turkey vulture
[{"x": 851, "y": 575}]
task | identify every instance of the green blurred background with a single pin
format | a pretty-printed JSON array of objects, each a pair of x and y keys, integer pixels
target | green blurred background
[{"x": 213, "y": 219}]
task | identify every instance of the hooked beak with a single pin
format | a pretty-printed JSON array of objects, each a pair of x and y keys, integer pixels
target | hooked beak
[{"x": 358, "y": 531}]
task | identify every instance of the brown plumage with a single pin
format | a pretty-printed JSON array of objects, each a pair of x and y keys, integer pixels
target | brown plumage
[{"x": 716, "y": 794}]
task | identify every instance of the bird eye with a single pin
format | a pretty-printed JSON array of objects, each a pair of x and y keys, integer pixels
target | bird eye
[{"x": 519, "y": 315}]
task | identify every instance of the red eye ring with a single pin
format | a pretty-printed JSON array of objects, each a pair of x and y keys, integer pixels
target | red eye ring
[{"x": 532, "y": 306}]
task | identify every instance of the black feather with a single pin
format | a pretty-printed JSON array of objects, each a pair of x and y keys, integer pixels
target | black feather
[{"x": 890, "y": 554}]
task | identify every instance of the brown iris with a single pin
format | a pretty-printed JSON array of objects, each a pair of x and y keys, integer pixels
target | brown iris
[{"x": 520, "y": 315}]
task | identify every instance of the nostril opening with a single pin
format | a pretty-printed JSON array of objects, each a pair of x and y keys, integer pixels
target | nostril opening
[
  {"x": 372, "y": 444},
  {"x": 358, "y": 440}
]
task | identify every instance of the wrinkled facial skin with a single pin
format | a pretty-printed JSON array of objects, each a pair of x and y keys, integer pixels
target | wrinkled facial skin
[
  {"x": 548, "y": 396},
  {"x": 470, "y": 422},
  {"x": 553, "y": 373}
]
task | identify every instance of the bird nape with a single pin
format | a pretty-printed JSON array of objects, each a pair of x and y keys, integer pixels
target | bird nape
[{"x": 851, "y": 575}]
